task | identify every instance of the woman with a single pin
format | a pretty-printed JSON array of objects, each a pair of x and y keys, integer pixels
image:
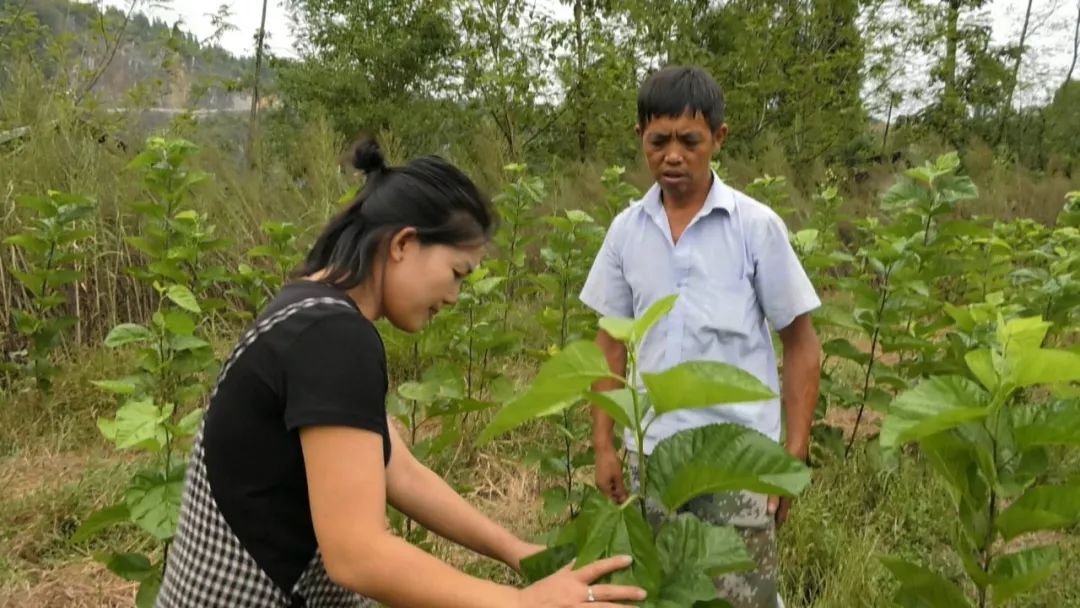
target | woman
[{"x": 286, "y": 491}]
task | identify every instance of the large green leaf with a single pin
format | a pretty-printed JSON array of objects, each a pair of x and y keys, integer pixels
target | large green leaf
[
  {"x": 721, "y": 458},
  {"x": 148, "y": 590},
  {"x": 684, "y": 588},
  {"x": 562, "y": 378},
  {"x": 153, "y": 500},
  {"x": 99, "y": 520},
  {"x": 687, "y": 543},
  {"x": 654, "y": 313},
  {"x": 929, "y": 588},
  {"x": 182, "y": 297},
  {"x": 696, "y": 384},
  {"x": 618, "y": 403},
  {"x": 1043, "y": 366},
  {"x": 981, "y": 364},
  {"x": 127, "y": 333},
  {"x": 1045, "y": 425},
  {"x": 129, "y": 566},
  {"x": 138, "y": 423},
  {"x": 934, "y": 405},
  {"x": 1041, "y": 508},
  {"x": 1021, "y": 572},
  {"x": 547, "y": 562}
]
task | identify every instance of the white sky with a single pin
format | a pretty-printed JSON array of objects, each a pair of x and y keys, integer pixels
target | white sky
[{"x": 1047, "y": 60}]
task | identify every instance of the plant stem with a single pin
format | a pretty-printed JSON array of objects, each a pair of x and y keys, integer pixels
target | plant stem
[{"x": 870, "y": 364}]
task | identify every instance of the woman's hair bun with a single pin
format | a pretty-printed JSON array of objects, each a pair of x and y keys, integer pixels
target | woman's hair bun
[{"x": 368, "y": 157}]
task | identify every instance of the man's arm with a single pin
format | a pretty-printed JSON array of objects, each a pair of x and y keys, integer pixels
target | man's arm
[
  {"x": 419, "y": 493},
  {"x": 609, "y": 473},
  {"x": 801, "y": 376},
  {"x": 802, "y": 373}
]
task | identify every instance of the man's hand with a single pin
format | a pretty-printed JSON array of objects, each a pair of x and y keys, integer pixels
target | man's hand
[
  {"x": 609, "y": 475},
  {"x": 779, "y": 506}
]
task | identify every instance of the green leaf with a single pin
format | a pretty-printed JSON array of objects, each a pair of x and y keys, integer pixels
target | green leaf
[
  {"x": 127, "y": 333},
  {"x": 43, "y": 205},
  {"x": 934, "y": 405},
  {"x": 981, "y": 364},
  {"x": 721, "y": 458},
  {"x": 154, "y": 502},
  {"x": 99, "y": 520},
  {"x": 1041, "y": 508},
  {"x": 1057, "y": 423},
  {"x": 27, "y": 242},
  {"x": 148, "y": 590},
  {"x": 696, "y": 384},
  {"x": 128, "y": 566},
  {"x": 119, "y": 387},
  {"x": 843, "y": 348},
  {"x": 616, "y": 403},
  {"x": 646, "y": 570},
  {"x": 138, "y": 423},
  {"x": 932, "y": 589},
  {"x": 547, "y": 562},
  {"x": 687, "y": 543},
  {"x": 561, "y": 379},
  {"x": 1043, "y": 366},
  {"x": 182, "y": 297},
  {"x": 179, "y": 323},
  {"x": 1021, "y": 572},
  {"x": 186, "y": 343},
  {"x": 189, "y": 424},
  {"x": 619, "y": 328},
  {"x": 654, "y": 313}
]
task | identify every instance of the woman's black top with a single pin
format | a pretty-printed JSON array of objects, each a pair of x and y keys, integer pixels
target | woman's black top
[{"x": 245, "y": 535}]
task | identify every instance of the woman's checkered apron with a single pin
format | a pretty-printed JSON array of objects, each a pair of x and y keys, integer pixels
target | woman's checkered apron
[{"x": 207, "y": 565}]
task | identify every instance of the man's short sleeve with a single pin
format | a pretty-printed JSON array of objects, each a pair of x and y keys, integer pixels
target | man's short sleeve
[
  {"x": 783, "y": 288},
  {"x": 606, "y": 290},
  {"x": 335, "y": 375}
]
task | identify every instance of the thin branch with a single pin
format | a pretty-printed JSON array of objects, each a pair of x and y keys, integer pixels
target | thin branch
[
  {"x": 112, "y": 54},
  {"x": 14, "y": 20}
]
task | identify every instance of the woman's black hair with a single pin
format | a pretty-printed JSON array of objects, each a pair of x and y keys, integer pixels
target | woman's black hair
[
  {"x": 428, "y": 194},
  {"x": 676, "y": 90}
]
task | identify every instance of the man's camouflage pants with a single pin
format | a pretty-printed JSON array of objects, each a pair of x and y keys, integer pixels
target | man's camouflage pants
[{"x": 748, "y": 513}]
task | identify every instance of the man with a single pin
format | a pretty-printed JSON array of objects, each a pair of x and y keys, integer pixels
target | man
[{"x": 729, "y": 260}]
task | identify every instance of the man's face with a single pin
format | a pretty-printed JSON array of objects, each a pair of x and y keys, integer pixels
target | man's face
[{"x": 678, "y": 151}]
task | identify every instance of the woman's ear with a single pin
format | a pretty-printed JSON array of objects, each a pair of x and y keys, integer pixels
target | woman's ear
[{"x": 400, "y": 242}]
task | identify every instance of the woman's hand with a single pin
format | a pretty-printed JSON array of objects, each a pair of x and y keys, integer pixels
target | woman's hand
[{"x": 569, "y": 588}]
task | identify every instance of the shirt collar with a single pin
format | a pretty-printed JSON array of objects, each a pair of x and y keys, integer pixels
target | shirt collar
[{"x": 720, "y": 196}]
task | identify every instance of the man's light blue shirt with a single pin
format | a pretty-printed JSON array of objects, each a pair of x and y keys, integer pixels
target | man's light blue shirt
[{"x": 735, "y": 274}]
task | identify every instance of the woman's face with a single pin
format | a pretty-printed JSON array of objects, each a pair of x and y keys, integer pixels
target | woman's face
[{"x": 420, "y": 279}]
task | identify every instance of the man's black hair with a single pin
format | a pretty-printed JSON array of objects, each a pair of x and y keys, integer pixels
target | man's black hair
[{"x": 676, "y": 90}]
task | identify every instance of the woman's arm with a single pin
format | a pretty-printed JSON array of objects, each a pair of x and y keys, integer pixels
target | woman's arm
[
  {"x": 347, "y": 491},
  {"x": 419, "y": 493}
]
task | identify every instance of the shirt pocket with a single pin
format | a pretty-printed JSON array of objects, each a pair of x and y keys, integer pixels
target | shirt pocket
[{"x": 723, "y": 309}]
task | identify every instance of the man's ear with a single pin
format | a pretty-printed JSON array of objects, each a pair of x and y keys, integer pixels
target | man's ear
[
  {"x": 720, "y": 135},
  {"x": 399, "y": 242}
]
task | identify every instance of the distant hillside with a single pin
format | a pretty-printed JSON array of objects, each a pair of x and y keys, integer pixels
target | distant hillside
[{"x": 156, "y": 63}]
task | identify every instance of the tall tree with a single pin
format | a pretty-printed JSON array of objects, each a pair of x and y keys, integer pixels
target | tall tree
[
  {"x": 371, "y": 65},
  {"x": 1076, "y": 45},
  {"x": 1018, "y": 52},
  {"x": 254, "y": 126}
]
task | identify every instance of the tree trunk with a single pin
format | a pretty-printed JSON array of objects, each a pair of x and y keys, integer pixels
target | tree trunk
[
  {"x": 888, "y": 121},
  {"x": 950, "y": 101},
  {"x": 1007, "y": 108},
  {"x": 254, "y": 126},
  {"x": 579, "y": 43},
  {"x": 1076, "y": 44}
]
